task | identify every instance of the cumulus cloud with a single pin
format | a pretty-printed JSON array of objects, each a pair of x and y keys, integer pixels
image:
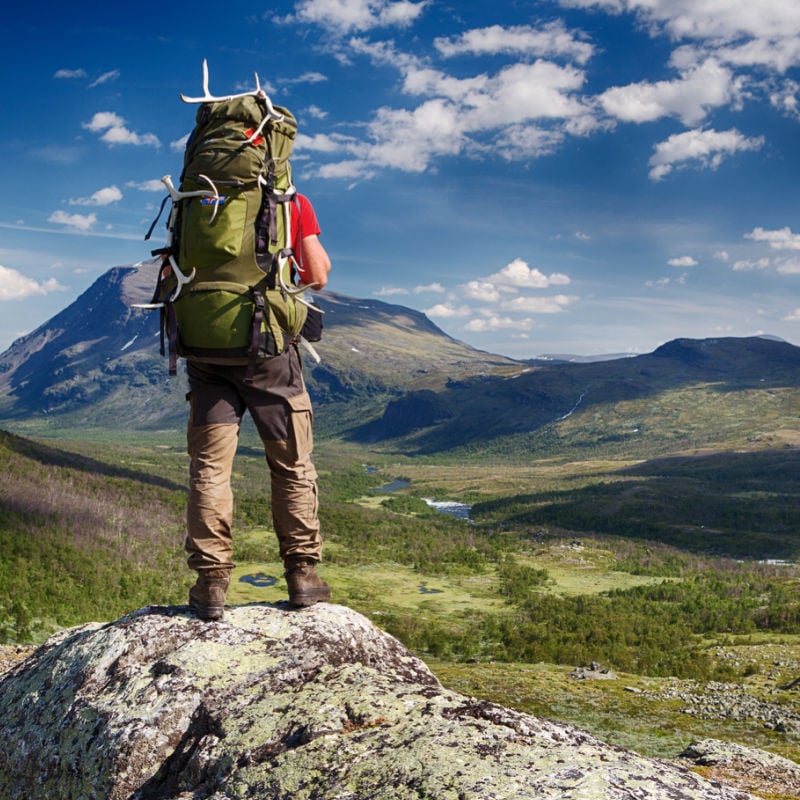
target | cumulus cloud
[
  {"x": 522, "y": 111},
  {"x": 528, "y": 108},
  {"x": 520, "y": 275},
  {"x": 707, "y": 19},
  {"x": 448, "y": 311},
  {"x": 494, "y": 322},
  {"x": 390, "y": 291},
  {"x": 153, "y": 185},
  {"x": 483, "y": 291},
  {"x": 342, "y": 16},
  {"x": 682, "y": 261},
  {"x": 706, "y": 148},
  {"x": 689, "y": 98},
  {"x": 551, "y": 40},
  {"x": 518, "y": 92},
  {"x": 781, "y": 239},
  {"x": 16, "y": 286},
  {"x": 785, "y": 98},
  {"x": 78, "y": 222},
  {"x": 102, "y": 197},
  {"x": 114, "y": 131}
]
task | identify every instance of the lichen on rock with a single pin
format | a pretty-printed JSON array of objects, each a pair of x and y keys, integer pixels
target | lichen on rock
[{"x": 315, "y": 704}]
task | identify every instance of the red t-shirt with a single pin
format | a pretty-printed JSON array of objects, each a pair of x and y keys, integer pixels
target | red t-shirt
[{"x": 304, "y": 223}]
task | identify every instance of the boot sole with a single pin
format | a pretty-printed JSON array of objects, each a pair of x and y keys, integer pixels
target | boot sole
[
  {"x": 309, "y": 598},
  {"x": 208, "y": 613}
]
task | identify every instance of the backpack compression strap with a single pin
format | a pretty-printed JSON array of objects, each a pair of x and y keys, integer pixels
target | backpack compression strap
[{"x": 255, "y": 334}]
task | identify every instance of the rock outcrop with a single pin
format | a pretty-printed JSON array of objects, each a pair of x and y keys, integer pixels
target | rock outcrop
[{"x": 277, "y": 704}]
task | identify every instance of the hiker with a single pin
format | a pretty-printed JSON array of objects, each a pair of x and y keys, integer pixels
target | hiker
[
  {"x": 242, "y": 247},
  {"x": 280, "y": 406}
]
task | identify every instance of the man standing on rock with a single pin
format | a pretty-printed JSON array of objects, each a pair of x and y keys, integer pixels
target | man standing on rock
[{"x": 276, "y": 397}]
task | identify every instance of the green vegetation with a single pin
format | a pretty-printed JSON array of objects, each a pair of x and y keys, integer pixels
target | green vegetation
[
  {"x": 80, "y": 540},
  {"x": 567, "y": 562}
]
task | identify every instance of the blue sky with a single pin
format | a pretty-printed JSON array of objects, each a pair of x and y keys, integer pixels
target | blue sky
[{"x": 574, "y": 176}]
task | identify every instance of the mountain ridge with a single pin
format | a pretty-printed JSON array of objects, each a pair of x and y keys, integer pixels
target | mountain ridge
[{"x": 390, "y": 377}]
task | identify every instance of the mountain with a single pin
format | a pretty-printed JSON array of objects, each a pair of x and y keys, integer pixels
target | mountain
[
  {"x": 687, "y": 392},
  {"x": 389, "y": 376},
  {"x": 97, "y": 362}
]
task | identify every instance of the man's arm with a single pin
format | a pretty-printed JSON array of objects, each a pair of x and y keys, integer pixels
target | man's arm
[{"x": 316, "y": 263}]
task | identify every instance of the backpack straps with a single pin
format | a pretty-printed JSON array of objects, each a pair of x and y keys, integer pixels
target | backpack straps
[
  {"x": 255, "y": 334},
  {"x": 170, "y": 323}
]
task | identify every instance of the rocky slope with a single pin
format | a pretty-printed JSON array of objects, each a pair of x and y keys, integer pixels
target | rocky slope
[{"x": 271, "y": 703}]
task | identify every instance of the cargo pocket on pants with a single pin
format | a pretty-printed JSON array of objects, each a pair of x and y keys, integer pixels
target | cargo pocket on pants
[{"x": 301, "y": 436}]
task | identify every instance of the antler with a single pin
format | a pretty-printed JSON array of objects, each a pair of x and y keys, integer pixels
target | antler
[
  {"x": 258, "y": 92},
  {"x": 210, "y": 98}
]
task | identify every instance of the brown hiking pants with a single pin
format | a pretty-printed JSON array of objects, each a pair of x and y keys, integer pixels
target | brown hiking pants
[{"x": 281, "y": 409}]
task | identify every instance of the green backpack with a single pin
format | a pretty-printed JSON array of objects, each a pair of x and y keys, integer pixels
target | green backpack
[{"x": 226, "y": 290}]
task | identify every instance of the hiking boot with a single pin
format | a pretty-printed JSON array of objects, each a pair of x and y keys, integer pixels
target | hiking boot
[
  {"x": 305, "y": 586},
  {"x": 207, "y": 596}
]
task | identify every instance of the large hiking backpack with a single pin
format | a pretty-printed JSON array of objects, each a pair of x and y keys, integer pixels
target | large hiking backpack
[{"x": 227, "y": 289}]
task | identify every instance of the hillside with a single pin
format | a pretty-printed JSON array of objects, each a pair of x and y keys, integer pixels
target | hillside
[
  {"x": 686, "y": 394},
  {"x": 97, "y": 362},
  {"x": 390, "y": 379}
]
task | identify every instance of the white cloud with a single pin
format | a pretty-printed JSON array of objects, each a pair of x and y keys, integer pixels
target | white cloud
[
  {"x": 708, "y": 19},
  {"x": 106, "y": 77},
  {"x": 722, "y": 255},
  {"x": 517, "y": 93},
  {"x": 746, "y": 265},
  {"x": 793, "y": 316},
  {"x": 494, "y": 322},
  {"x": 102, "y": 197},
  {"x": 431, "y": 287},
  {"x": 660, "y": 283},
  {"x": 785, "y": 98},
  {"x": 689, "y": 98},
  {"x": 315, "y": 112},
  {"x": 483, "y": 291},
  {"x": 448, "y": 311},
  {"x": 708, "y": 148},
  {"x": 341, "y": 16},
  {"x": 325, "y": 143},
  {"x": 152, "y": 185},
  {"x": 307, "y": 77},
  {"x": 551, "y": 39},
  {"x": 527, "y": 141},
  {"x": 16, "y": 286},
  {"x": 390, "y": 291},
  {"x": 538, "y": 305},
  {"x": 682, "y": 261},
  {"x": 70, "y": 73},
  {"x": 80, "y": 222},
  {"x": 520, "y": 275},
  {"x": 483, "y": 113},
  {"x": 781, "y": 239},
  {"x": 179, "y": 145},
  {"x": 789, "y": 266},
  {"x": 114, "y": 131}
]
